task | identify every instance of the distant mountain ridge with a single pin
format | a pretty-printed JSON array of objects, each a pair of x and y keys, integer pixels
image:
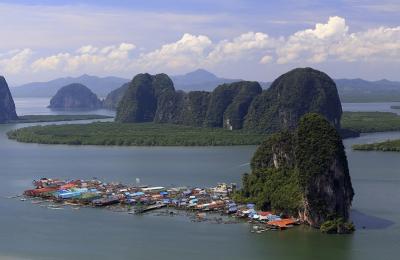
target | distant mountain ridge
[
  {"x": 350, "y": 90},
  {"x": 199, "y": 80},
  {"x": 360, "y": 90},
  {"x": 101, "y": 86}
]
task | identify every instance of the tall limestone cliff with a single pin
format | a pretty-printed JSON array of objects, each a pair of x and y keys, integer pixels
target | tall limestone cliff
[
  {"x": 303, "y": 172},
  {"x": 233, "y": 106},
  {"x": 229, "y": 104},
  {"x": 153, "y": 99},
  {"x": 7, "y": 106},
  {"x": 142, "y": 98},
  {"x": 292, "y": 95},
  {"x": 74, "y": 96}
]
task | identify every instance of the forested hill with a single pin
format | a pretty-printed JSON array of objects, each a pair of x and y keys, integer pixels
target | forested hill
[{"x": 236, "y": 105}]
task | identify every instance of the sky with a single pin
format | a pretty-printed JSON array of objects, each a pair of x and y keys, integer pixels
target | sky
[{"x": 248, "y": 39}]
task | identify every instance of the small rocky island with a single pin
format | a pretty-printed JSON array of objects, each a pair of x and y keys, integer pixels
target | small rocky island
[
  {"x": 7, "y": 106},
  {"x": 75, "y": 96},
  {"x": 303, "y": 173}
]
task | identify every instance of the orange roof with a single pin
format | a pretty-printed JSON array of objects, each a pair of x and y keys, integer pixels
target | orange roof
[{"x": 282, "y": 223}]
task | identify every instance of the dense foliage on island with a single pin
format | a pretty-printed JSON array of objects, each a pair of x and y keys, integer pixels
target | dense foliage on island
[
  {"x": 154, "y": 99},
  {"x": 56, "y": 118},
  {"x": 385, "y": 146},
  {"x": 138, "y": 134},
  {"x": 7, "y": 106},
  {"x": 238, "y": 105},
  {"x": 75, "y": 96},
  {"x": 303, "y": 173},
  {"x": 369, "y": 122}
]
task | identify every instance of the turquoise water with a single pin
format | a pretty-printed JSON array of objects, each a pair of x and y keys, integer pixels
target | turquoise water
[{"x": 32, "y": 232}]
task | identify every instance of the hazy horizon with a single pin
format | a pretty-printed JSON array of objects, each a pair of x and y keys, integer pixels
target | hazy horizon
[{"x": 129, "y": 78}]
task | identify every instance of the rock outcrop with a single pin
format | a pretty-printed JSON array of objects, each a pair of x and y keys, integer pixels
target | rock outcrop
[
  {"x": 292, "y": 95},
  {"x": 303, "y": 172},
  {"x": 7, "y": 106},
  {"x": 141, "y": 100},
  {"x": 74, "y": 96},
  {"x": 235, "y": 105},
  {"x": 154, "y": 99},
  {"x": 114, "y": 97}
]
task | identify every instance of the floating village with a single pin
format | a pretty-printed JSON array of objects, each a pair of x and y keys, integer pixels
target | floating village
[{"x": 202, "y": 204}]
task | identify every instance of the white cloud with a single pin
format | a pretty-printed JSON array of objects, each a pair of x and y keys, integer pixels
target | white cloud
[
  {"x": 14, "y": 61},
  {"x": 187, "y": 52},
  {"x": 109, "y": 58},
  {"x": 330, "y": 41},
  {"x": 266, "y": 59},
  {"x": 239, "y": 46},
  {"x": 314, "y": 43},
  {"x": 333, "y": 41},
  {"x": 380, "y": 43}
]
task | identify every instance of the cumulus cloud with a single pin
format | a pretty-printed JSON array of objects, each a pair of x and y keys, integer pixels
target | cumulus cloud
[
  {"x": 314, "y": 43},
  {"x": 333, "y": 41},
  {"x": 266, "y": 59},
  {"x": 380, "y": 43},
  {"x": 108, "y": 58},
  {"x": 14, "y": 61},
  {"x": 239, "y": 46},
  {"x": 189, "y": 52}
]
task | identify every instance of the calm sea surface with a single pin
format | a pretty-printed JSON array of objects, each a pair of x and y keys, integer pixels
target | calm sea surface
[{"x": 28, "y": 231}]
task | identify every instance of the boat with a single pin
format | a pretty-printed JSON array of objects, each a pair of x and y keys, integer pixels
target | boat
[{"x": 105, "y": 201}]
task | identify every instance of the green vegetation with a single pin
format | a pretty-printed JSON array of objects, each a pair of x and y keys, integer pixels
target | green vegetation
[
  {"x": 337, "y": 226},
  {"x": 75, "y": 96},
  {"x": 368, "y": 122},
  {"x": 238, "y": 105},
  {"x": 231, "y": 102},
  {"x": 386, "y": 146},
  {"x": 140, "y": 101},
  {"x": 56, "y": 118},
  {"x": 153, "y": 99},
  {"x": 292, "y": 95},
  {"x": 289, "y": 176},
  {"x": 138, "y": 134},
  {"x": 113, "y": 98}
]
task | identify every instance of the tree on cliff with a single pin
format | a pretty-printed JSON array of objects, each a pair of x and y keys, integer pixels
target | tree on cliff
[
  {"x": 303, "y": 172},
  {"x": 292, "y": 95}
]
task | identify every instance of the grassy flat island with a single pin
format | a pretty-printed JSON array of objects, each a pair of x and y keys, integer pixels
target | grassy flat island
[
  {"x": 134, "y": 134},
  {"x": 56, "y": 118},
  {"x": 386, "y": 146},
  {"x": 369, "y": 122}
]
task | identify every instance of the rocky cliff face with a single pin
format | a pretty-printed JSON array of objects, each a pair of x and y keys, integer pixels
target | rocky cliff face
[
  {"x": 323, "y": 171},
  {"x": 236, "y": 105},
  {"x": 114, "y": 97},
  {"x": 303, "y": 172},
  {"x": 7, "y": 106},
  {"x": 154, "y": 99},
  {"x": 292, "y": 95},
  {"x": 142, "y": 98},
  {"x": 75, "y": 96},
  {"x": 229, "y": 104}
]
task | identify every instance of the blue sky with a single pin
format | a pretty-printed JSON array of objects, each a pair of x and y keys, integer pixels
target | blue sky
[{"x": 256, "y": 40}]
